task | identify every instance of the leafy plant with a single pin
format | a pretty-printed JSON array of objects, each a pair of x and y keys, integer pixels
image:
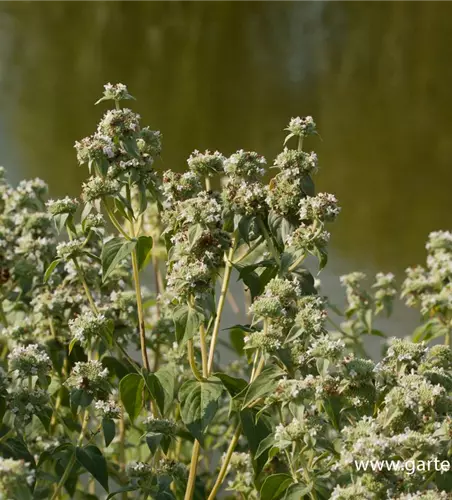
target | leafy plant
[{"x": 110, "y": 390}]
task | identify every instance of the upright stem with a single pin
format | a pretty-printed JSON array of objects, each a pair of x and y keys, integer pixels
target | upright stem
[
  {"x": 225, "y": 464},
  {"x": 115, "y": 221},
  {"x": 300, "y": 143},
  {"x": 85, "y": 286},
  {"x": 192, "y": 474},
  {"x": 269, "y": 240},
  {"x": 67, "y": 470},
  {"x": 204, "y": 355},
  {"x": 158, "y": 289},
  {"x": 235, "y": 438},
  {"x": 122, "y": 448},
  {"x": 221, "y": 302},
  {"x": 192, "y": 361},
  {"x": 136, "y": 279},
  {"x": 3, "y": 318}
]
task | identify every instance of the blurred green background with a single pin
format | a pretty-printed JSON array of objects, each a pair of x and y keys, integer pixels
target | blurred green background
[{"x": 377, "y": 77}]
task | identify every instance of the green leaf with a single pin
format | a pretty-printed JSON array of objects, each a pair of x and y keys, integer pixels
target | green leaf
[
  {"x": 194, "y": 233},
  {"x": 50, "y": 269},
  {"x": 199, "y": 403},
  {"x": 187, "y": 321},
  {"x": 167, "y": 377},
  {"x": 264, "y": 385},
  {"x": 265, "y": 445},
  {"x": 113, "y": 252},
  {"x": 255, "y": 432},
  {"x": 109, "y": 429},
  {"x": 242, "y": 224},
  {"x": 155, "y": 389},
  {"x": 131, "y": 393},
  {"x": 153, "y": 440},
  {"x": 322, "y": 256},
  {"x": 72, "y": 344},
  {"x": 121, "y": 490},
  {"x": 274, "y": 486},
  {"x": 144, "y": 251},
  {"x": 93, "y": 461},
  {"x": 233, "y": 385},
  {"x": 297, "y": 491},
  {"x": 60, "y": 221},
  {"x": 307, "y": 185},
  {"x": 254, "y": 281}
]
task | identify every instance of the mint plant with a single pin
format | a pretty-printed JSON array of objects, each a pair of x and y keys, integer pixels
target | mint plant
[{"x": 109, "y": 389}]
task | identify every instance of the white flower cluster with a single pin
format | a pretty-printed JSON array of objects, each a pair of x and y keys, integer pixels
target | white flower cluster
[
  {"x": 24, "y": 403},
  {"x": 278, "y": 297},
  {"x": 241, "y": 465},
  {"x": 64, "y": 206},
  {"x": 302, "y": 126},
  {"x": 206, "y": 164},
  {"x": 357, "y": 297},
  {"x": 164, "y": 426},
  {"x": 322, "y": 207},
  {"x": 90, "y": 376},
  {"x": 69, "y": 249},
  {"x": 247, "y": 165},
  {"x": 429, "y": 288},
  {"x": 179, "y": 187},
  {"x": 115, "y": 92},
  {"x": 97, "y": 188},
  {"x": 325, "y": 347},
  {"x": 14, "y": 474},
  {"x": 107, "y": 409},
  {"x": 87, "y": 326},
  {"x": 293, "y": 431},
  {"x": 28, "y": 361}
]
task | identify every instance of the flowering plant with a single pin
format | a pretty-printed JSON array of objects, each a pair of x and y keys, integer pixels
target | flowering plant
[{"x": 110, "y": 390}]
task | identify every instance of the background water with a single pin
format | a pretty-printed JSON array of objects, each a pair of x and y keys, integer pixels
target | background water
[{"x": 377, "y": 77}]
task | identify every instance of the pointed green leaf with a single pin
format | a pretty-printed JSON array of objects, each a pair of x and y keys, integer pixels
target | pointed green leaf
[
  {"x": 274, "y": 486},
  {"x": 113, "y": 252},
  {"x": 131, "y": 393},
  {"x": 109, "y": 430},
  {"x": 199, "y": 403},
  {"x": 167, "y": 377},
  {"x": 93, "y": 461},
  {"x": 50, "y": 269},
  {"x": 144, "y": 251}
]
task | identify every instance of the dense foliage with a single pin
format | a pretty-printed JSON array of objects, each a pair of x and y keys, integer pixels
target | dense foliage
[{"x": 84, "y": 417}]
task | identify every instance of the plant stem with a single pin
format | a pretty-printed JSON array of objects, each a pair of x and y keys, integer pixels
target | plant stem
[
  {"x": 3, "y": 318},
  {"x": 115, "y": 221},
  {"x": 192, "y": 474},
  {"x": 85, "y": 286},
  {"x": 221, "y": 302},
  {"x": 71, "y": 462},
  {"x": 122, "y": 447},
  {"x": 136, "y": 279},
  {"x": 158, "y": 289},
  {"x": 204, "y": 355},
  {"x": 235, "y": 438},
  {"x": 300, "y": 259},
  {"x": 300, "y": 143},
  {"x": 250, "y": 250},
  {"x": 292, "y": 470},
  {"x": 192, "y": 361},
  {"x": 225, "y": 464},
  {"x": 269, "y": 241}
]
